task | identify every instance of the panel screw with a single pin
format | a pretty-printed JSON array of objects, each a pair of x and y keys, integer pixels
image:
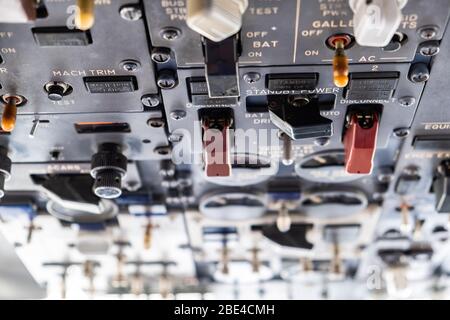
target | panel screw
[
  {"x": 429, "y": 48},
  {"x": 411, "y": 171},
  {"x": 401, "y": 132},
  {"x": 384, "y": 178},
  {"x": 252, "y": 77},
  {"x": 298, "y": 101},
  {"x": 55, "y": 154},
  {"x": 131, "y": 13},
  {"x": 156, "y": 122},
  {"x": 419, "y": 73},
  {"x": 163, "y": 151},
  {"x": 166, "y": 80},
  {"x": 178, "y": 114},
  {"x": 161, "y": 55},
  {"x": 175, "y": 138},
  {"x": 150, "y": 100},
  {"x": 377, "y": 196},
  {"x": 385, "y": 175},
  {"x": 428, "y": 32},
  {"x": 322, "y": 142},
  {"x": 407, "y": 101},
  {"x": 132, "y": 185},
  {"x": 130, "y": 65},
  {"x": 170, "y": 33}
]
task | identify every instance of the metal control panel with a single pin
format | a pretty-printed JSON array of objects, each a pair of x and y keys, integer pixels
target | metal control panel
[{"x": 167, "y": 139}]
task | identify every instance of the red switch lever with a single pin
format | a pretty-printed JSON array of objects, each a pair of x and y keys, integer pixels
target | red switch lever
[
  {"x": 360, "y": 143},
  {"x": 216, "y": 141}
]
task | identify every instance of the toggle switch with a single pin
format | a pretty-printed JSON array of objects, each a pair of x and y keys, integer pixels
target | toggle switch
[
  {"x": 9, "y": 115},
  {"x": 441, "y": 188},
  {"x": 216, "y": 19},
  {"x": 85, "y": 15},
  {"x": 339, "y": 43},
  {"x": 376, "y": 21},
  {"x": 221, "y": 61},
  {"x": 284, "y": 220},
  {"x": 148, "y": 234},
  {"x": 405, "y": 212},
  {"x": 35, "y": 126},
  {"x": 360, "y": 141},
  {"x": 216, "y": 126}
]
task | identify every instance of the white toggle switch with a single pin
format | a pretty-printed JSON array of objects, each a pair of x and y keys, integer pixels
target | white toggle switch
[
  {"x": 376, "y": 21},
  {"x": 216, "y": 19}
]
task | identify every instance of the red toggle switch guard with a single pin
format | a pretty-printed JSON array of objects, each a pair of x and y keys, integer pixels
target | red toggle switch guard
[
  {"x": 360, "y": 143},
  {"x": 216, "y": 142}
]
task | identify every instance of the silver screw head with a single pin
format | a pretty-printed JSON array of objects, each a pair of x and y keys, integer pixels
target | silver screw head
[
  {"x": 131, "y": 13},
  {"x": 178, "y": 114}
]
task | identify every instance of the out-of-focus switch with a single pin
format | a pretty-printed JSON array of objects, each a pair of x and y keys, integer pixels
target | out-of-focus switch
[
  {"x": 360, "y": 141},
  {"x": 441, "y": 187},
  {"x": 216, "y": 19},
  {"x": 376, "y": 21}
]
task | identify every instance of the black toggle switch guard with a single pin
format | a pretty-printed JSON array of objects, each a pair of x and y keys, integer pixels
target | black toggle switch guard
[{"x": 300, "y": 121}]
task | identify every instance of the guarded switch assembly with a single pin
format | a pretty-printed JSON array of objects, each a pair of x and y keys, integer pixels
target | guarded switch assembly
[
  {"x": 360, "y": 140},
  {"x": 278, "y": 145},
  {"x": 376, "y": 21}
]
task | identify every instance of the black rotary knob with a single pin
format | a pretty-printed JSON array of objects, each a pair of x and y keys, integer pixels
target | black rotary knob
[{"x": 108, "y": 167}]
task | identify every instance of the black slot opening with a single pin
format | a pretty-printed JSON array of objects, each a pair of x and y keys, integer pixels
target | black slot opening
[
  {"x": 257, "y": 104},
  {"x": 102, "y": 127}
]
